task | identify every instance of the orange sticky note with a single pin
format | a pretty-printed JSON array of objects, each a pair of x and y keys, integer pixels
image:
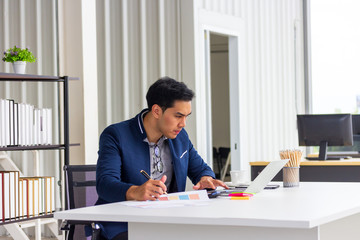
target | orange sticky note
[{"x": 240, "y": 198}]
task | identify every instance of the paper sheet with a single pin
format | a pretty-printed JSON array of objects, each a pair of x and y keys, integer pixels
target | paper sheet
[{"x": 180, "y": 199}]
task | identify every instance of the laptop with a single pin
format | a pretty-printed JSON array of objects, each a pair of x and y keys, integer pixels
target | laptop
[
  {"x": 266, "y": 175},
  {"x": 260, "y": 182}
]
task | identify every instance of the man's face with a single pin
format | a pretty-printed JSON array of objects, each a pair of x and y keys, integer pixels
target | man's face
[{"x": 173, "y": 119}]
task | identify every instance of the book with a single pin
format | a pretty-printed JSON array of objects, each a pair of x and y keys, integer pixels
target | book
[
  {"x": 21, "y": 113},
  {"x": 21, "y": 202},
  {"x": 30, "y": 197},
  {"x": 1, "y": 196},
  {"x": 49, "y": 194},
  {"x": 16, "y": 188},
  {"x": 14, "y": 193},
  {"x": 31, "y": 125},
  {"x": 28, "y": 125},
  {"x": 36, "y": 126},
  {"x": 26, "y": 201},
  {"x": 52, "y": 194},
  {"x": 36, "y": 196},
  {"x": 23, "y": 125},
  {"x": 41, "y": 194},
  {"x": 16, "y": 124},
  {"x": 6, "y": 195},
  {"x": 43, "y": 126},
  {"x": 7, "y": 122},
  {"x": 11, "y": 122},
  {"x": 2, "y": 123},
  {"x": 49, "y": 125}
]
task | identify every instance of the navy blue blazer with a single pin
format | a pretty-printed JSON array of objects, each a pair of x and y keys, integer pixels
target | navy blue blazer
[{"x": 123, "y": 153}]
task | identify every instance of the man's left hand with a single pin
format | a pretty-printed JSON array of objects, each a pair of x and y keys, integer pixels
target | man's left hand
[{"x": 209, "y": 182}]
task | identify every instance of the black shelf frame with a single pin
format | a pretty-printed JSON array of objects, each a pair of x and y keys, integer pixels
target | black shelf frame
[
  {"x": 37, "y": 147},
  {"x": 23, "y": 219},
  {"x": 13, "y": 77},
  {"x": 5, "y": 77}
]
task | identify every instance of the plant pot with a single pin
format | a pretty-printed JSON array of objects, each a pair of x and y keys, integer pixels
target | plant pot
[{"x": 19, "y": 67}]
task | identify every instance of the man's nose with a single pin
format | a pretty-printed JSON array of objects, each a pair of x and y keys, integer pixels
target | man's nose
[{"x": 182, "y": 122}]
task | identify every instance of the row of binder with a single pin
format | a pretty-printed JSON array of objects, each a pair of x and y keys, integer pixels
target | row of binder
[
  {"x": 25, "y": 196},
  {"x": 22, "y": 124}
]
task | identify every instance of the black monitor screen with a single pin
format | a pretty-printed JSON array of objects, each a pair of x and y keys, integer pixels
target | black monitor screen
[
  {"x": 325, "y": 130},
  {"x": 356, "y": 124},
  {"x": 353, "y": 150}
]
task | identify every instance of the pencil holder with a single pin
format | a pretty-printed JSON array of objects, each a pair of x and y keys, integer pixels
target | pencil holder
[{"x": 291, "y": 176}]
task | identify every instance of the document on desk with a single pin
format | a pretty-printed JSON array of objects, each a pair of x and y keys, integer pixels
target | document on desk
[{"x": 180, "y": 199}]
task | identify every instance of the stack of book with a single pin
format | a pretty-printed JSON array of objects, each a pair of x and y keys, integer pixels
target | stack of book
[
  {"x": 22, "y": 124},
  {"x": 25, "y": 196}
]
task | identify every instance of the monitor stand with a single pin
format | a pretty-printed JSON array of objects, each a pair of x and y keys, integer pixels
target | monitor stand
[{"x": 323, "y": 154}]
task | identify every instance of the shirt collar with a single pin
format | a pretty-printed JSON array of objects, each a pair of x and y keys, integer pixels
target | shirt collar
[
  {"x": 142, "y": 129},
  {"x": 141, "y": 124}
]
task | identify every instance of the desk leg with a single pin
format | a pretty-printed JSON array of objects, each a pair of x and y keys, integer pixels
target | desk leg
[
  {"x": 346, "y": 228},
  {"x": 138, "y": 231}
]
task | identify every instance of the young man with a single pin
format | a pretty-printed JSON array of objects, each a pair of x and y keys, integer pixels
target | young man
[{"x": 156, "y": 142}]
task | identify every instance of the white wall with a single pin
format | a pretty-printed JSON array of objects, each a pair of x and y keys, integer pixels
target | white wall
[{"x": 78, "y": 58}]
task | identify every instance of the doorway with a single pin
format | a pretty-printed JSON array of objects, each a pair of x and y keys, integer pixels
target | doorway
[{"x": 220, "y": 100}]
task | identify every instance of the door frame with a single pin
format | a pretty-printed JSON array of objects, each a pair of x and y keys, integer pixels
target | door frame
[{"x": 233, "y": 28}]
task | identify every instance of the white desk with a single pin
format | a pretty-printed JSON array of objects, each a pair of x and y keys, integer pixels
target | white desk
[{"x": 312, "y": 211}]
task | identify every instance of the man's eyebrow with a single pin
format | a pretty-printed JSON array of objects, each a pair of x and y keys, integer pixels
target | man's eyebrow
[{"x": 179, "y": 113}]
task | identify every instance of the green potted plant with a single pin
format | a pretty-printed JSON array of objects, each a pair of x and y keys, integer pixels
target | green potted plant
[{"x": 18, "y": 57}]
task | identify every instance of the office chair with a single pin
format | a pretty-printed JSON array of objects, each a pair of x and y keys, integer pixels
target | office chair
[
  {"x": 81, "y": 192},
  {"x": 216, "y": 157}
]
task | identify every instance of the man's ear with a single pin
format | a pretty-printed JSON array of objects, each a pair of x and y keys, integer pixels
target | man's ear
[{"x": 156, "y": 111}]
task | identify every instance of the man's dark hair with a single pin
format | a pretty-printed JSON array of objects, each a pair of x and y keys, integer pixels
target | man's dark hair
[{"x": 165, "y": 91}]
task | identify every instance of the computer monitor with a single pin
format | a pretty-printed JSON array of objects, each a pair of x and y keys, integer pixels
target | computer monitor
[
  {"x": 356, "y": 124},
  {"x": 354, "y": 150},
  {"x": 325, "y": 130}
]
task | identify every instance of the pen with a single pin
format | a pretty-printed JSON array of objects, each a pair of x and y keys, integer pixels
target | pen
[{"x": 147, "y": 176}]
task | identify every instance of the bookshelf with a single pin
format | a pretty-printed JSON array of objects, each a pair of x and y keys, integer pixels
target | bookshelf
[{"x": 14, "y": 226}]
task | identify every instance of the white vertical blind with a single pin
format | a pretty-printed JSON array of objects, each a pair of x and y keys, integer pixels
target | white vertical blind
[
  {"x": 143, "y": 52},
  {"x": 107, "y": 46},
  {"x": 125, "y": 57},
  {"x": 148, "y": 48},
  {"x": 270, "y": 55},
  {"x": 162, "y": 37}
]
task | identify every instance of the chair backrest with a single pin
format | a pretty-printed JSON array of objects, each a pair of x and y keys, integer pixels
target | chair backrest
[
  {"x": 216, "y": 168},
  {"x": 224, "y": 152},
  {"x": 81, "y": 185},
  {"x": 81, "y": 192}
]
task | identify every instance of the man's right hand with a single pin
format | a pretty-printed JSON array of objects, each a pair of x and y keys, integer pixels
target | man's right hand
[{"x": 150, "y": 190}]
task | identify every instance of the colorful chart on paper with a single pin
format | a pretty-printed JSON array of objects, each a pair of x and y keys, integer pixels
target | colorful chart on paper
[
  {"x": 181, "y": 196},
  {"x": 189, "y": 198}
]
